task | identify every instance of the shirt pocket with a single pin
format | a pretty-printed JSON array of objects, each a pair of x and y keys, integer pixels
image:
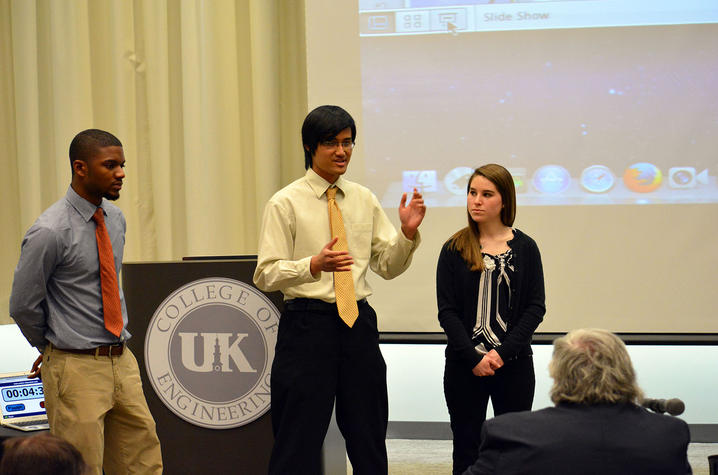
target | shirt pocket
[{"x": 359, "y": 240}]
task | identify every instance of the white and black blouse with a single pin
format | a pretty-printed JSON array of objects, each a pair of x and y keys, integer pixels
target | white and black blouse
[{"x": 494, "y": 301}]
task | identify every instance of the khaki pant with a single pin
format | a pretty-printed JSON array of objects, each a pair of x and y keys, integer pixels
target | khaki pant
[{"x": 97, "y": 404}]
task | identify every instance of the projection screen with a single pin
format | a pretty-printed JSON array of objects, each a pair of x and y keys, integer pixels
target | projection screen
[{"x": 605, "y": 112}]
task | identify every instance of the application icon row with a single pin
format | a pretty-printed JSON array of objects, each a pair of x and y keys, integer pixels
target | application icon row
[{"x": 641, "y": 177}]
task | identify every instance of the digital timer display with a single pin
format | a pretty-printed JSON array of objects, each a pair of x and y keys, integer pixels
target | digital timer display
[{"x": 22, "y": 393}]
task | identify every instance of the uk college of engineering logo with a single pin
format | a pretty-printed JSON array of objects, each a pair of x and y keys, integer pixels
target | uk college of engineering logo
[{"x": 209, "y": 351}]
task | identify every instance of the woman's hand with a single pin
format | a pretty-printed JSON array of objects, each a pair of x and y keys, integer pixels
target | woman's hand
[
  {"x": 496, "y": 358},
  {"x": 486, "y": 367}
]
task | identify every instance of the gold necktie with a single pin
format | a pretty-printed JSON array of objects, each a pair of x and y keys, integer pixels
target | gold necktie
[
  {"x": 343, "y": 281},
  {"x": 111, "y": 306}
]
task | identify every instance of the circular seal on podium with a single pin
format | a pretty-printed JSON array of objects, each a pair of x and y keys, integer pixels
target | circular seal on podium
[{"x": 209, "y": 351}]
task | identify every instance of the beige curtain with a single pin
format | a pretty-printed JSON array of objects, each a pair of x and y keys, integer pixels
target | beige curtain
[{"x": 207, "y": 98}]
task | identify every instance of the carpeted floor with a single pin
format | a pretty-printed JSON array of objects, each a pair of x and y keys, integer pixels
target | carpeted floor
[{"x": 433, "y": 457}]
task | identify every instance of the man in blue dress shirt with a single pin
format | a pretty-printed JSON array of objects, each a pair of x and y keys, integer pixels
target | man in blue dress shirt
[{"x": 93, "y": 391}]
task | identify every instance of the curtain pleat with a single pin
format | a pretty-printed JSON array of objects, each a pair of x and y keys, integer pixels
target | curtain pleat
[{"x": 207, "y": 98}]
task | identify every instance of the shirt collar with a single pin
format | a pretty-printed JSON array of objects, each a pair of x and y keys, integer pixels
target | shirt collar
[
  {"x": 81, "y": 205},
  {"x": 319, "y": 185}
]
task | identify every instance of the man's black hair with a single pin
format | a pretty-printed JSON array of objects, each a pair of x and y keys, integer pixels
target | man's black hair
[
  {"x": 85, "y": 144},
  {"x": 324, "y": 123}
]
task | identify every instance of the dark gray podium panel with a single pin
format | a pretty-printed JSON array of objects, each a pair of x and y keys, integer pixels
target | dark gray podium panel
[{"x": 187, "y": 448}]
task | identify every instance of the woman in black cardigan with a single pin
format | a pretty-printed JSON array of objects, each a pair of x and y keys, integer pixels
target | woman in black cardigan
[{"x": 490, "y": 293}]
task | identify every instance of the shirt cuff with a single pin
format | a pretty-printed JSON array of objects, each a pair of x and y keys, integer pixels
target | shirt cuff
[
  {"x": 414, "y": 242},
  {"x": 306, "y": 265}
]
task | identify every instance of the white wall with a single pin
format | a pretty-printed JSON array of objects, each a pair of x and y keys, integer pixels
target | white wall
[
  {"x": 16, "y": 354},
  {"x": 415, "y": 372}
]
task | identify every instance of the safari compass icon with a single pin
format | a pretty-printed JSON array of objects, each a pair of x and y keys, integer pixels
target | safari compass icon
[{"x": 597, "y": 179}]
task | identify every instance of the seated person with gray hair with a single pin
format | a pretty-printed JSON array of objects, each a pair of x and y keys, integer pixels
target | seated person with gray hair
[{"x": 596, "y": 427}]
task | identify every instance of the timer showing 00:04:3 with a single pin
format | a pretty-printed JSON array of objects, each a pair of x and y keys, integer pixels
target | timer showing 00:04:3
[{"x": 22, "y": 393}]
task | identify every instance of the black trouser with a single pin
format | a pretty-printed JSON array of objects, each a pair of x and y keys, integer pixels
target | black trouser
[
  {"x": 319, "y": 358},
  {"x": 467, "y": 397}
]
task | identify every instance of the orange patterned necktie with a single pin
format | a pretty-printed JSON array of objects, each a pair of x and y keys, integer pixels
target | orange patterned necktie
[
  {"x": 111, "y": 306},
  {"x": 343, "y": 281}
]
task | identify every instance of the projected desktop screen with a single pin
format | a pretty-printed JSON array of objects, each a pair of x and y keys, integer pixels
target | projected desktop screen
[
  {"x": 586, "y": 102},
  {"x": 606, "y": 113}
]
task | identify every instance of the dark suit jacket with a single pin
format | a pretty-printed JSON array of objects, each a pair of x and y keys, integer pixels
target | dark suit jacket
[{"x": 606, "y": 439}]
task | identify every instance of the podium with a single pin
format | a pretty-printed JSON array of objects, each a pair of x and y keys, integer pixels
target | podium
[
  {"x": 188, "y": 447},
  {"x": 157, "y": 294}
]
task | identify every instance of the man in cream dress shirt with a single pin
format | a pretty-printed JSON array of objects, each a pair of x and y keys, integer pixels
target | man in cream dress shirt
[{"x": 319, "y": 358}]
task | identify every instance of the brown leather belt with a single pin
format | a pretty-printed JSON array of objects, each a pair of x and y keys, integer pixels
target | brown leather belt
[{"x": 106, "y": 350}]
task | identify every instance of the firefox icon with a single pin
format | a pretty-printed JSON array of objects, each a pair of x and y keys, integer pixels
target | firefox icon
[{"x": 642, "y": 177}]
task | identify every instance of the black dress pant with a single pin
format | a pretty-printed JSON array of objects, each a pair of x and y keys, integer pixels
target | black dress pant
[
  {"x": 467, "y": 397},
  {"x": 319, "y": 359}
]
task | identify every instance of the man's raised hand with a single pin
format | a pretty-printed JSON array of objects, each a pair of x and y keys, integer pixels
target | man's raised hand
[{"x": 412, "y": 215}]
